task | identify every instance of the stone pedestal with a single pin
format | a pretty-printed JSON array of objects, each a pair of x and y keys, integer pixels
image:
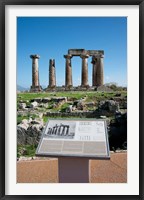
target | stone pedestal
[
  {"x": 73, "y": 170},
  {"x": 84, "y": 78},
  {"x": 52, "y": 74},
  {"x": 68, "y": 80},
  {"x": 35, "y": 74}
]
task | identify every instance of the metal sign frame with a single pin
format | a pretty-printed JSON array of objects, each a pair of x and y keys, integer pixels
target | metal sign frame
[{"x": 60, "y": 154}]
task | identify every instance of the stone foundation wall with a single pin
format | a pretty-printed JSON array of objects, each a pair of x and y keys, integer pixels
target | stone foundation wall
[
  {"x": 83, "y": 114},
  {"x": 89, "y": 114}
]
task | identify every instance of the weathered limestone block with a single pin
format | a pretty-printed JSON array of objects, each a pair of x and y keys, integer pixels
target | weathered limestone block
[
  {"x": 43, "y": 105},
  {"x": 23, "y": 126},
  {"x": 46, "y": 100},
  {"x": 34, "y": 104},
  {"x": 81, "y": 105},
  {"x": 109, "y": 105},
  {"x": 90, "y": 104},
  {"x": 21, "y": 135},
  {"x": 29, "y": 131},
  {"x": 58, "y": 99},
  {"x": 22, "y": 105},
  {"x": 38, "y": 100},
  {"x": 69, "y": 109}
]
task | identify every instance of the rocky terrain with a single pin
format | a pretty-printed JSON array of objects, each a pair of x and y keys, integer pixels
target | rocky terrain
[{"x": 33, "y": 113}]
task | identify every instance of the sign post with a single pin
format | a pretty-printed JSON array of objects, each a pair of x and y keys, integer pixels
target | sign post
[
  {"x": 73, "y": 170},
  {"x": 74, "y": 143}
]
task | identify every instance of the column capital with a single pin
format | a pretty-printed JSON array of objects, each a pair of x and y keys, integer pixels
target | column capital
[
  {"x": 68, "y": 56},
  {"x": 84, "y": 55},
  {"x": 34, "y": 56},
  {"x": 94, "y": 59},
  {"x": 100, "y": 56}
]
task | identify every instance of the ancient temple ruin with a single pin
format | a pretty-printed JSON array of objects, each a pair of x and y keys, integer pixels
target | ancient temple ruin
[
  {"x": 59, "y": 130},
  {"x": 97, "y": 70}
]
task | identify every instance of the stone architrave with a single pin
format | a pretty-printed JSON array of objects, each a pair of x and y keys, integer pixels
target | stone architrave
[
  {"x": 84, "y": 81},
  {"x": 35, "y": 74},
  {"x": 52, "y": 74},
  {"x": 68, "y": 78},
  {"x": 100, "y": 71}
]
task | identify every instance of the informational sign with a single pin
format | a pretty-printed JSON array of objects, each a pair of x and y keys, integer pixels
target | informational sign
[{"x": 80, "y": 138}]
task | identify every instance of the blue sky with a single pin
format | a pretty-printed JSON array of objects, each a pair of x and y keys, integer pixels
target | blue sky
[{"x": 51, "y": 37}]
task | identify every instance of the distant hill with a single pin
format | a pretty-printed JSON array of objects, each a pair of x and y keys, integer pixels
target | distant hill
[
  {"x": 43, "y": 86},
  {"x": 20, "y": 88}
]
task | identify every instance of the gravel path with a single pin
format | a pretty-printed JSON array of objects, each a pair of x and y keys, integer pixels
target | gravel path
[{"x": 46, "y": 170}]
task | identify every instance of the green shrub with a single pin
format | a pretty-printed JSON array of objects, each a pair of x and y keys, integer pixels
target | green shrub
[{"x": 26, "y": 150}]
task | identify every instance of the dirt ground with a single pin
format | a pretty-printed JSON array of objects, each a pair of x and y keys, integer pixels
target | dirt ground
[{"x": 45, "y": 170}]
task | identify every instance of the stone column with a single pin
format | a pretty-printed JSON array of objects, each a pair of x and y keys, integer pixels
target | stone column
[
  {"x": 94, "y": 71},
  {"x": 53, "y": 130},
  {"x": 35, "y": 74},
  {"x": 59, "y": 128},
  {"x": 67, "y": 132},
  {"x": 84, "y": 81},
  {"x": 68, "y": 77},
  {"x": 50, "y": 131},
  {"x": 56, "y": 127},
  {"x": 52, "y": 75},
  {"x": 63, "y": 130},
  {"x": 100, "y": 71}
]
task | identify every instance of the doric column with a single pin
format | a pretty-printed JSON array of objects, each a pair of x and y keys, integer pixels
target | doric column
[
  {"x": 63, "y": 130},
  {"x": 67, "y": 132},
  {"x": 68, "y": 77},
  {"x": 52, "y": 74},
  {"x": 53, "y": 130},
  {"x": 50, "y": 131},
  {"x": 94, "y": 71},
  {"x": 84, "y": 81},
  {"x": 100, "y": 71},
  {"x": 59, "y": 128},
  {"x": 56, "y": 127},
  {"x": 35, "y": 74}
]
